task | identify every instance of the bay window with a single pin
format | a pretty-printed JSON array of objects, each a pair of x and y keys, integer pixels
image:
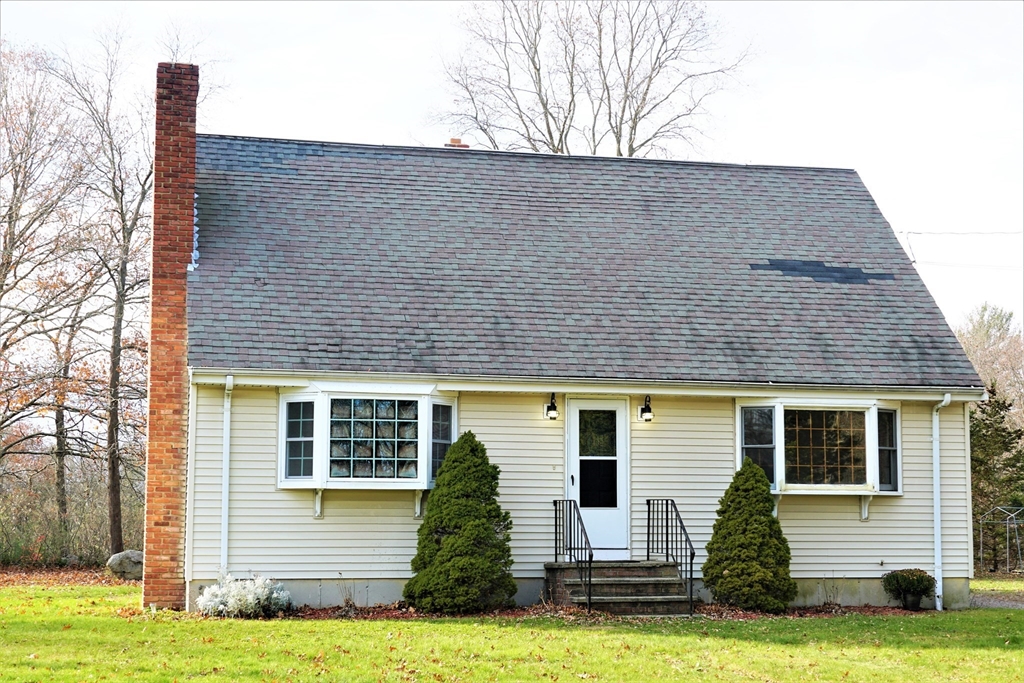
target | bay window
[
  {"x": 826, "y": 449},
  {"x": 332, "y": 438}
]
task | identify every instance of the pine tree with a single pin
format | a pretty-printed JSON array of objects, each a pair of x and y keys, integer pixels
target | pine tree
[
  {"x": 463, "y": 559},
  {"x": 997, "y": 464},
  {"x": 748, "y": 557}
]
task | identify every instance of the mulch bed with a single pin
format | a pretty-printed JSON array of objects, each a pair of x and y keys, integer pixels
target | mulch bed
[
  {"x": 578, "y": 615},
  {"x": 721, "y": 612},
  {"x": 60, "y": 576}
]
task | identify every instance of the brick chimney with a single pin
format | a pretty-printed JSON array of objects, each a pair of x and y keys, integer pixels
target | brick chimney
[{"x": 174, "y": 182}]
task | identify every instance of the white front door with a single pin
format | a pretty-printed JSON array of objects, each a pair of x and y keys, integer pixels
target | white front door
[{"x": 597, "y": 472}]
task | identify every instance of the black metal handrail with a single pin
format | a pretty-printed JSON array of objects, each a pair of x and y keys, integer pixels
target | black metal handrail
[
  {"x": 571, "y": 542},
  {"x": 666, "y": 535}
]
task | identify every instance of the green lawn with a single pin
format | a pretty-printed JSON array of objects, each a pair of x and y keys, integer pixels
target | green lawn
[
  {"x": 1000, "y": 584},
  {"x": 72, "y": 633}
]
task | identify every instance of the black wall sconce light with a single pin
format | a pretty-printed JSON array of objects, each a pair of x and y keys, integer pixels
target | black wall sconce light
[
  {"x": 644, "y": 413},
  {"x": 551, "y": 409}
]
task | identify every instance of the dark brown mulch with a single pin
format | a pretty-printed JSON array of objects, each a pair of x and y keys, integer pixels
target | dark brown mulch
[
  {"x": 399, "y": 610},
  {"x": 60, "y": 576},
  {"x": 722, "y": 612}
]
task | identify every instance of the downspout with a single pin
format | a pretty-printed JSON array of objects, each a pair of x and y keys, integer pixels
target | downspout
[
  {"x": 190, "y": 486},
  {"x": 937, "y": 498},
  {"x": 225, "y": 473}
]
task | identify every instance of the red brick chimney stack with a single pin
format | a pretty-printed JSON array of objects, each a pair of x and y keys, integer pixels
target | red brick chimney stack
[{"x": 174, "y": 183}]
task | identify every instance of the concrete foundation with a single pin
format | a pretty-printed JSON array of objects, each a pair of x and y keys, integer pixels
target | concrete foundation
[
  {"x": 363, "y": 592},
  {"x": 859, "y": 592},
  {"x": 810, "y": 592}
]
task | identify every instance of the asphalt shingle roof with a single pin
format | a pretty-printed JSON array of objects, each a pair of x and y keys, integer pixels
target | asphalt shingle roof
[{"x": 323, "y": 256}]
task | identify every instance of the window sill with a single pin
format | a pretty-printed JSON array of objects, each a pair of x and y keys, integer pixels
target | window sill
[
  {"x": 826, "y": 490},
  {"x": 392, "y": 485}
]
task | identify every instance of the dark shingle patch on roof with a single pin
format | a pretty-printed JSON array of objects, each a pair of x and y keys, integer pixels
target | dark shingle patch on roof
[
  {"x": 322, "y": 257},
  {"x": 819, "y": 272}
]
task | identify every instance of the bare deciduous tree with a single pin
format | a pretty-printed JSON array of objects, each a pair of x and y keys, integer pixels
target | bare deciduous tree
[
  {"x": 119, "y": 180},
  {"x": 41, "y": 170},
  {"x": 622, "y": 77},
  {"x": 995, "y": 344}
]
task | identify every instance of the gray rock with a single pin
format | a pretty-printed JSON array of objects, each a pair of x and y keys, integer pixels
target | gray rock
[{"x": 126, "y": 565}]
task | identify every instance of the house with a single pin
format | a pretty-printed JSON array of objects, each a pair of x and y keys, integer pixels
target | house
[{"x": 327, "y": 318}]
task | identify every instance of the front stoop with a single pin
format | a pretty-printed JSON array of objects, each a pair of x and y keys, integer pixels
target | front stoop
[{"x": 620, "y": 587}]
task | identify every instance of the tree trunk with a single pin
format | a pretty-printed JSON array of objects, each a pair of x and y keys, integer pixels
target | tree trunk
[
  {"x": 114, "y": 415},
  {"x": 60, "y": 455}
]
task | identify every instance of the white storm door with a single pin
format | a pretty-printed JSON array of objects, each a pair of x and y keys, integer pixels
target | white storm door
[{"x": 597, "y": 472}]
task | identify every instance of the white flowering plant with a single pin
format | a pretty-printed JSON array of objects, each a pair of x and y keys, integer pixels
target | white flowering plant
[{"x": 243, "y": 598}]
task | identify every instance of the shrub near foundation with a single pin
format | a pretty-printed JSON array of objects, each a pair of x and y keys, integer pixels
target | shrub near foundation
[
  {"x": 463, "y": 559},
  {"x": 748, "y": 557},
  {"x": 908, "y": 586}
]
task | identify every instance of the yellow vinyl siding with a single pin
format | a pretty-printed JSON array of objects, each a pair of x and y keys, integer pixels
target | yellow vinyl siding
[
  {"x": 687, "y": 453},
  {"x": 363, "y": 535},
  {"x": 205, "y": 533},
  {"x": 828, "y": 539},
  {"x": 530, "y": 450}
]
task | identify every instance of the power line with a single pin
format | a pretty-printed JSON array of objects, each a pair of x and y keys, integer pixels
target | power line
[
  {"x": 969, "y": 234},
  {"x": 968, "y": 265}
]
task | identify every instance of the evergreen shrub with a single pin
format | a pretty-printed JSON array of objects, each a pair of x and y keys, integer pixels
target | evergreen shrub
[
  {"x": 902, "y": 583},
  {"x": 748, "y": 557},
  {"x": 463, "y": 559}
]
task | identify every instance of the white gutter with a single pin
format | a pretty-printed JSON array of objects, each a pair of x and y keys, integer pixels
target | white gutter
[
  {"x": 225, "y": 473},
  {"x": 514, "y": 384},
  {"x": 937, "y": 498}
]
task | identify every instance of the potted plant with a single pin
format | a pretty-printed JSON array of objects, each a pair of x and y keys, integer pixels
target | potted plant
[{"x": 909, "y": 586}]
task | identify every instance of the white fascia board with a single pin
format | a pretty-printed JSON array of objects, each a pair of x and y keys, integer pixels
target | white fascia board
[
  {"x": 373, "y": 388},
  {"x": 596, "y": 387},
  {"x": 219, "y": 378}
]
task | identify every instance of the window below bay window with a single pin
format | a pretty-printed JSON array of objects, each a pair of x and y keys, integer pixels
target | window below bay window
[
  {"x": 810, "y": 449},
  {"x": 337, "y": 439}
]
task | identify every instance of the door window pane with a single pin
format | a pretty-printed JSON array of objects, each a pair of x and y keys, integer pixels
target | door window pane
[
  {"x": 598, "y": 483},
  {"x": 597, "y": 433},
  {"x": 598, "y": 459}
]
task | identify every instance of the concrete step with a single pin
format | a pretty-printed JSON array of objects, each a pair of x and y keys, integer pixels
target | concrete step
[
  {"x": 630, "y": 586},
  {"x": 623, "y": 568},
  {"x": 664, "y": 605}
]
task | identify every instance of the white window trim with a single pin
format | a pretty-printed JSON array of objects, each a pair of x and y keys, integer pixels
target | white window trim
[
  {"x": 443, "y": 401},
  {"x": 895, "y": 407},
  {"x": 321, "y": 394},
  {"x": 870, "y": 407}
]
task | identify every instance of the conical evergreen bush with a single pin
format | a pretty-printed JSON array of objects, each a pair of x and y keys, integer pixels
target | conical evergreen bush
[
  {"x": 463, "y": 559},
  {"x": 748, "y": 557}
]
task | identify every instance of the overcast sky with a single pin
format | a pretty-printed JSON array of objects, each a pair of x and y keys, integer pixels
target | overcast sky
[{"x": 924, "y": 100}]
